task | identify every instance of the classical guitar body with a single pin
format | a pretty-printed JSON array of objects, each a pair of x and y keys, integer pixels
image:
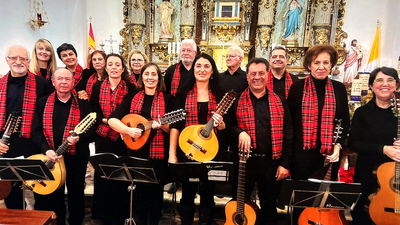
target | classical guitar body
[
  {"x": 383, "y": 208},
  {"x": 322, "y": 216},
  {"x": 137, "y": 121},
  {"x": 45, "y": 187},
  {"x": 196, "y": 146},
  {"x": 232, "y": 218}
]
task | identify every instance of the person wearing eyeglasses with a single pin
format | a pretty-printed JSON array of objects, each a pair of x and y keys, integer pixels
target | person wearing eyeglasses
[
  {"x": 279, "y": 79},
  {"x": 177, "y": 75},
  {"x": 136, "y": 61},
  {"x": 373, "y": 135},
  {"x": 19, "y": 91}
]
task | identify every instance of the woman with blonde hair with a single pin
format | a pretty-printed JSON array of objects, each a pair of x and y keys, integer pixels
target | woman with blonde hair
[
  {"x": 43, "y": 61},
  {"x": 136, "y": 61}
]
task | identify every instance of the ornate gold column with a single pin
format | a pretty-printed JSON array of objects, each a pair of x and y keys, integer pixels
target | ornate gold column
[
  {"x": 265, "y": 27},
  {"x": 321, "y": 25}
]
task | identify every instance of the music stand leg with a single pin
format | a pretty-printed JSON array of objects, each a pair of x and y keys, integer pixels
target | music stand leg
[{"x": 130, "y": 220}]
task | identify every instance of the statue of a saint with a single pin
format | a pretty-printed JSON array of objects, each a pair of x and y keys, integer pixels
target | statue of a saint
[
  {"x": 292, "y": 17},
  {"x": 353, "y": 61},
  {"x": 165, "y": 10}
]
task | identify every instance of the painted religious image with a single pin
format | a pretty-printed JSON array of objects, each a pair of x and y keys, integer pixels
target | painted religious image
[
  {"x": 290, "y": 22},
  {"x": 354, "y": 58}
]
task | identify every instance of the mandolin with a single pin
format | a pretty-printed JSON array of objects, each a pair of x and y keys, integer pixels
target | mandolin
[
  {"x": 138, "y": 121},
  {"x": 385, "y": 206},
  {"x": 45, "y": 187},
  {"x": 11, "y": 127},
  {"x": 199, "y": 142},
  {"x": 317, "y": 214},
  {"x": 241, "y": 211}
]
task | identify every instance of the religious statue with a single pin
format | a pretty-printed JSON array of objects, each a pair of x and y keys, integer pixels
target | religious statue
[
  {"x": 353, "y": 61},
  {"x": 292, "y": 17},
  {"x": 165, "y": 10}
]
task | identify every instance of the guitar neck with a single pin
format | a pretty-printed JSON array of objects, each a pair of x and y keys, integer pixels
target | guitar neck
[{"x": 241, "y": 188}]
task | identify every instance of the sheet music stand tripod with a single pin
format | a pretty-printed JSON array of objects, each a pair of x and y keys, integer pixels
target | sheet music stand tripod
[
  {"x": 12, "y": 169},
  {"x": 125, "y": 168},
  {"x": 333, "y": 195}
]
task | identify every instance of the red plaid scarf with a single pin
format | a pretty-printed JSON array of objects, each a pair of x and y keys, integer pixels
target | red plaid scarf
[
  {"x": 73, "y": 120},
  {"x": 28, "y": 105},
  {"x": 175, "y": 79},
  {"x": 288, "y": 82},
  {"x": 133, "y": 78},
  {"x": 78, "y": 74},
  {"x": 245, "y": 117},
  {"x": 48, "y": 75},
  {"x": 157, "y": 109},
  {"x": 191, "y": 106},
  {"x": 91, "y": 81},
  {"x": 108, "y": 102},
  {"x": 310, "y": 116}
]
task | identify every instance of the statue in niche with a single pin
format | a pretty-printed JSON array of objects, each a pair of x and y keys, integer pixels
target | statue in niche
[
  {"x": 353, "y": 61},
  {"x": 292, "y": 17},
  {"x": 165, "y": 10}
]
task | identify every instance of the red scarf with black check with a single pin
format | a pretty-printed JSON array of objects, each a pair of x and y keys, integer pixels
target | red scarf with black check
[
  {"x": 288, "y": 82},
  {"x": 133, "y": 78},
  {"x": 191, "y": 106},
  {"x": 245, "y": 117},
  {"x": 28, "y": 104},
  {"x": 48, "y": 75},
  {"x": 175, "y": 79},
  {"x": 77, "y": 74},
  {"x": 108, "y": 102},
  {"x": 73, "y": 120},
  {"x": 157, "y": 109},
  {"x": 91, "y": 81},
  {"x": 310, "y": 116}
]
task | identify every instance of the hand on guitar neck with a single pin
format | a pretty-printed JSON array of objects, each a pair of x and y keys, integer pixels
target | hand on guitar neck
[
  {"x": 52, "y": 155},
  {"x": 335, "y": 155}
]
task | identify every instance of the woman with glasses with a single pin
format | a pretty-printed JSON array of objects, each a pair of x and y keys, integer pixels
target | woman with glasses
[
  {"x": 373, "y": 136},
  {"x": 136, "y": 61},
  {"x": 43, "y": 62}
]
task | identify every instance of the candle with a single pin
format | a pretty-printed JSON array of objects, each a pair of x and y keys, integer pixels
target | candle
[
  {"x": 169, "y": 48},
  {"x": 173, "y": 47},
  {"x": 178, "y": 46}
]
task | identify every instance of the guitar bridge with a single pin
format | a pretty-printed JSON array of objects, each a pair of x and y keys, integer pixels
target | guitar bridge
[{"x": 196, "y": 146}]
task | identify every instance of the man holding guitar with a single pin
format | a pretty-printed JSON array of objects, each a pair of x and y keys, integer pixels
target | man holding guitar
[
  {"x": 265, "y": 128},
  {"x": 56, "y": 116},
  {"x": 19, "y": 90}
]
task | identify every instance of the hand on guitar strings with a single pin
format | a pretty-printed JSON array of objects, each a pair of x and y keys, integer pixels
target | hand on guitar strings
[
  {"x": 244, "y": 141},
  {"x": 134, "y": 132},
  {"x": 393, "y": 151},
  {"x": 3, "y": 148},
  {"x": 335, "y": 155},
  {"x": 52, "y": 156},
  {"x": 217, "y": 119}
]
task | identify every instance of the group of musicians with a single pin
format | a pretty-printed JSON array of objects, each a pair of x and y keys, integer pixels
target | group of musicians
[{"x": 286, "y": 123}]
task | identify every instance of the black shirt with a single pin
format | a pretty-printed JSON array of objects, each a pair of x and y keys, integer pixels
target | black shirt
[
  {"x": 43, "y": 72},
  {"x": 169, "y": 73},
  {"x": 237, "y": 81},
  {"x": 279, "y": 84},
  {"x": 86, "y": 74}
]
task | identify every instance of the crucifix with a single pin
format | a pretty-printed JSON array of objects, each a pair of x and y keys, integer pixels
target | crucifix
[{"x": 111, "y": 40}]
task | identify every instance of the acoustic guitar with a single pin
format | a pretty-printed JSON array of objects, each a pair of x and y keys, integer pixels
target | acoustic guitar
[
  {"x": 12, "y": 123},
  {"x": 199, "y": 142},
  {"x": 318, "y": 214},
  {"x": 138, "y": 121},
  {"x": 385, "y": 206},
  {"x": 45, "y": 187},
  {"x": 242, "y": 211}
]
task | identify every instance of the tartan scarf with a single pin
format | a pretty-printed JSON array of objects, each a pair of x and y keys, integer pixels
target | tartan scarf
[
  {"x": 175, "y": 79},
  {"x": 73, "y": 120},
  {"x": 245, "y": 117},
  {"x": 89, "y": 86},
  {"x": 191, "y": 106},
  {"x": 48, "y": 75},
  {"x": 157, "y": 109},
  {"x": 310, "y": 116},
  {"x": 77, "y": 74},
  {"x": 28, "y": 104},
  {"x": 108, "y": 102},
  {"x": 133, "y": 78},
  {"x": 288, "y": 82}
]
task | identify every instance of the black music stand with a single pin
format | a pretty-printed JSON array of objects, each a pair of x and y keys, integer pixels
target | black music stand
[
  {"x": 333, "y": 195},
  {"x": 12, "y": 169},
  {"x": 126, "y": 168},
  {"x": 207, "y": 171}
]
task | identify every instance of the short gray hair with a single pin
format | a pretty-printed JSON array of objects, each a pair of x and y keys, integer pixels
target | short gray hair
[
  {"x": 191, "y": 42},
  {"x": 239, "y": 50},
  {"x": 17, "y": 46}
]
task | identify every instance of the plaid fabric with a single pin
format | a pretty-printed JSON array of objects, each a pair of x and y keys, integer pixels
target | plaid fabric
[
  {"x": 108, "y": 102},
  {"x": 28, "y": 105},
  {"x": 78, "y": 75},
  {"x": 48, "y": 75},
  {"x": 157, "y": 109},
  {"x": 175, "y": 79},
  {"x": 191, "y": 106},
  {"x": 245, "y": 117},
  {"x": 133, "y": 79},
  {"x": 89, "y": 86},
  {"x": 288, "y": 82},
  {"x": 73, "y": 120},
  {"x": 310, "y": 116}
]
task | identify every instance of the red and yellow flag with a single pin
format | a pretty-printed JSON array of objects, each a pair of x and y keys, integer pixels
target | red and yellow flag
[{"x": 92, "y": 43}]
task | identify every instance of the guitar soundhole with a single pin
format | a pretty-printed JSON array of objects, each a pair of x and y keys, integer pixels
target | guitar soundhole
[
  {"x": 395, "y": 184},
  {"x": 240, "y": 219},
  {"x": 204, "y": 133},
  {"x": 140, "y": 126}
]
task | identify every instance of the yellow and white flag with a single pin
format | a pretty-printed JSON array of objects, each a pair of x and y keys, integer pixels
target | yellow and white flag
[{"x": 374, "y": 56}]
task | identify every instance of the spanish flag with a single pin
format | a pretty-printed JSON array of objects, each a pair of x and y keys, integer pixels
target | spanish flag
[
  {"x": 373, "y": 61},
  {"x": 92, "y": 43}
]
